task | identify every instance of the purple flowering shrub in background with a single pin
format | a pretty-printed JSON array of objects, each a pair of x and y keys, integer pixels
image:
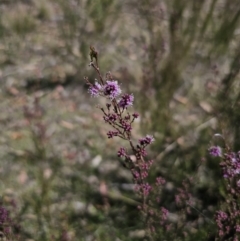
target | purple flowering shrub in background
[
  {"x": 5, "y": 221},
  {"x": 6, "y": 225},
  {"x": 228, "y": 216}
]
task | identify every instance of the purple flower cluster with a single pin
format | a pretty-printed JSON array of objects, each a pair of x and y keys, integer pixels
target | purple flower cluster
[
  {"x": 110, "y": 117},
  {"x": 127, "y": 127},
  {"x": 143, "y": 169},
  {"x": 183, "y": 196},
  {"x": 237, "y": 228},
  {"x": 121, "y": 152},
  {"x": 4, "y": 216},
  {"x": 111, "y": 89},
  {"x": 146, "y": 188},
  {"x": 225, "y": 223},
  {"x": 135, "y": 115},
  {"x": 126, "y": 100},
  {"x": 143, "y": 188},
  {"x": 231, "y": 165},
  {"x": 215, "y": 151},
  {"x": 5, "y": 221},
  {"x": 95, "y": 89},
  {"x": 160, "y": 181},
  {"x": 227, "y": 219},
  {"x": 164, "y": 213},
  {"x": 121, "y": 124},
  {"x": 146, "y": 140},
  {"x": 111, "y": 134},
  {"x": 221, "y": 220}
]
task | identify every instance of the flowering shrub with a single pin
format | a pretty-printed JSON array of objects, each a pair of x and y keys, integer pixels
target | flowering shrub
[
  {"x": 228, "y": 216},
  {"x": 156, "y": 217},
  {"x": 4, "y": 219},
  {"x": 6, "y": 224},
  {"x": 117, "y": 115}
]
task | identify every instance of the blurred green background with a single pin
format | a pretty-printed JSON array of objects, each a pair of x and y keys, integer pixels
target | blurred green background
[{"x": 60, "y": 175}]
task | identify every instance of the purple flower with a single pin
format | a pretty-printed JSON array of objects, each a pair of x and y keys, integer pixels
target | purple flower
[
  {"x": 126, "y": 100},
  {"x": 237, "y": 227},
  {"x": 146, "y": 188},
  {"x": 142, "y": 152},
  {"x": 4, "y": 217},
  {"x": 95, "y": 89},
  {"x": 215, "y": 151},
  {"x": 149, "y": 139},
  {"x": 111, "y": 89},
  {"x": 221, "y": 215},
  {"x": 121, "y": 152},
  {"x": 164, "y": 213},
  {"x": 160, "y": 181},
  {"x": 146, "y": 140},
  {"x": 111, "y": 134},
  {"x": 126, "y": 127},
  {"x": 135, "y": 115},
  {"x": 110, "y": 118}
]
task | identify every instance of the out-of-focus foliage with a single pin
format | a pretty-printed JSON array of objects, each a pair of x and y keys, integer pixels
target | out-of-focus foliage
[{"x": 180, "y": 58}]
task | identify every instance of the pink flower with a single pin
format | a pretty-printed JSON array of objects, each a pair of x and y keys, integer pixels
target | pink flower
[
  {"x": 111, "y": 89},
  {"x": 215, "y": 151},
  {"x": 95, "y": 89}
]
